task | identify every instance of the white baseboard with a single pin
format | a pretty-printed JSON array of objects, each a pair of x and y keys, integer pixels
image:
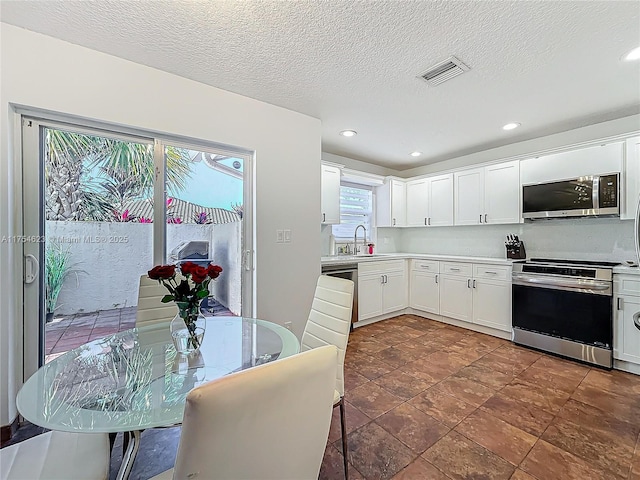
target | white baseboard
[
  {"x": 439, "y": 318},
  {"x": 626, "y": 366}
]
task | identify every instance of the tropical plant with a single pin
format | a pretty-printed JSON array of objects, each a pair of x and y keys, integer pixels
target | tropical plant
[
  {"x": 238, "y": 208},
  {"x": 65, "y": 153},
  {"x": 201, "y": 218},
  {"x": 124, "y": 170},
  {"x": 57, "y": 268}
]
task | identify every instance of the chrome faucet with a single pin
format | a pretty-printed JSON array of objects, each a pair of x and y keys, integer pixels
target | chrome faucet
[{"x": 355, "y": 238}]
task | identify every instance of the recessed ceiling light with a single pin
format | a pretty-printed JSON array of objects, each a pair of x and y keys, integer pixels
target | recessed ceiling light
[
  {"x": 633, "y": 54},
  {"x": 510, "y": 126},
  {"x": 415, "y": 154},
  {"x": 348, "y": 133}
]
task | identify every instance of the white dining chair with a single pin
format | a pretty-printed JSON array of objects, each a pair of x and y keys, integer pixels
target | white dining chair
[
  {"x": 267, "y": 422},
  {"x": 150, "y": 309},
  {"x": 57, "y": 456},
  {"x": 329, "y": 324}
]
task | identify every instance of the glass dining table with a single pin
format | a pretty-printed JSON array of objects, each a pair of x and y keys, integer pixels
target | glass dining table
[{"x": 135, "y": 379}]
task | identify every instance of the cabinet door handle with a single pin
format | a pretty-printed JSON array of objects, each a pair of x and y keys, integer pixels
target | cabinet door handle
[
  {"x": 425, "y": 220},
  {"x": 425, "y": 266},
  {"x": 394, "y": 222},
  {"x": 474, "y": 283},
  {"x": 454, "y": 269},
  {"x": 620, "y": 303},
  {"x": 490, "y": 273},
  {"x": 468, "y": 283},
  {"x": 436, "y": 278},
  {"x": 324, "y": 217},
  {"x": 480, "y": 218},
  {"x": 429, "y": 220},
  {"x": 386, "y": 279},
  {"x": 485, "y": 218}
]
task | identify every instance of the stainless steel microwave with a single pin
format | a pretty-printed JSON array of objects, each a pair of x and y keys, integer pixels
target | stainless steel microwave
[{"x": 577, "y": 197}]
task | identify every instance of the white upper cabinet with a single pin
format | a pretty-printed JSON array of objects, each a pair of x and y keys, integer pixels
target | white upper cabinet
[
  {"x": 430, "y": 201},
  {"x": 502, "y": 193},
  {"x": 597, "y": 160},
  {"x": 631, "y": 179},
  {"x": 469, "y": 196},
  {"x": 417, "y": 202},
  {"x": 441, "y": 200},
  {"x": 488, "y": 195},
  {"x": 391, "y": 208},
  {"x": 330, "y": 195}
]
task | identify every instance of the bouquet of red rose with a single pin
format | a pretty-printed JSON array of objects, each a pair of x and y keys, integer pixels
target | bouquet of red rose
[{"x": 186, "y": 290}]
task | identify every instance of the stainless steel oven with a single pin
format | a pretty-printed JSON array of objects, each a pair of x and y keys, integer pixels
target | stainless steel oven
[
  {"x": 565, "y": 307},
  {"x": 350, "y": 272}
]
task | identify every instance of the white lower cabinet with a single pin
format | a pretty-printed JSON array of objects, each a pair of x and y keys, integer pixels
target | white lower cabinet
[
  {"x": 456, "y": 296},
  {"x": 369, "y": 296},
  {"x": 382, "y": 288},
  {"x": 424, "y": 286},
  {"x": 626, "y": 336},
  {"x": 456, "y": 299},
  {"x": 474, "y": 293},
  {"x": 492, "y": 303}
]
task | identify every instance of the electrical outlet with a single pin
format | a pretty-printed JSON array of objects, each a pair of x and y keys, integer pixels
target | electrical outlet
[
  {"x": 279, "y": 236},
  {"x": 287, "y": 236},
  {"x": 288, "y": 325}
]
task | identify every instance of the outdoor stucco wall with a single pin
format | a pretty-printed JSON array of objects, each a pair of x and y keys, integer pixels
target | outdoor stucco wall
[{"x": 107, "y": 260}]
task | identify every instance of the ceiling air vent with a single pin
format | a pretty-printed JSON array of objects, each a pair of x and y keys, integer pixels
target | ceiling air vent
[{"x": 443, "y": 71}]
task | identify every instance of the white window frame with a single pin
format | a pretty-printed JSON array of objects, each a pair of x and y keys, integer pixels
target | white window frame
[{"x": 336, "y": 230}]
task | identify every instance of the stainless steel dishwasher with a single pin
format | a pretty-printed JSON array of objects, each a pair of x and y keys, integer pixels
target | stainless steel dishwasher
[{"x": 350, "y": 272}]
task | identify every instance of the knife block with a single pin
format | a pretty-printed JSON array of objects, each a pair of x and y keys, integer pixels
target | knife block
[{"x": 516, "y": 251}]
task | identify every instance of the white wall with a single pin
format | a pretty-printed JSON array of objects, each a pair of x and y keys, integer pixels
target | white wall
[
  {"x": 358, "y": 165},
  {"x": 46, "y": 74}
]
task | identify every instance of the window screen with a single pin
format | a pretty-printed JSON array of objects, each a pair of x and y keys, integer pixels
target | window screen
[{"x": 356, "y": 207}]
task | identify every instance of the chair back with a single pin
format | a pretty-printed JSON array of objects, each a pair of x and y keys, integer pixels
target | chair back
[
  {"x": 330, "y": 320},
  {"x": 267, "y": 422},
  {"x": 150, "y": 307}
]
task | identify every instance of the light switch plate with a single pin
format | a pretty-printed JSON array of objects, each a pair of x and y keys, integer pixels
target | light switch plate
[
  {"x": 287, "y": 236},
  {"x": 279, "y": 236}
]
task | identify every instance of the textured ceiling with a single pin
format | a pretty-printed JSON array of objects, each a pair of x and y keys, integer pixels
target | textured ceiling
[{"x": 549, "y": 65}]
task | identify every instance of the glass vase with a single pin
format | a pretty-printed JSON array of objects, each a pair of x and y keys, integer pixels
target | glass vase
[{"x": 188, "y": 333}]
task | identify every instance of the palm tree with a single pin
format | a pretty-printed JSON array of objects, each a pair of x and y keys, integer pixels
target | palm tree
[
  {"x": 65, "y": 153},
  {"x": 125, "y": 170}
]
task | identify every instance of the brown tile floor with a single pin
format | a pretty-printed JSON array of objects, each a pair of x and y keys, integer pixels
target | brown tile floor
[{"x": 425, "y": 400}]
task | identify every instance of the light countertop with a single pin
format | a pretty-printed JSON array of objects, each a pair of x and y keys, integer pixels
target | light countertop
[
  {"x": 626, "y": 270},
  {"x": 345, "y": 259}
]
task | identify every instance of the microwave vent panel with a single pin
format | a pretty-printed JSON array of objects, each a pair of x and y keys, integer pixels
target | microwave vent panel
[{"x": 443, "y": 71}]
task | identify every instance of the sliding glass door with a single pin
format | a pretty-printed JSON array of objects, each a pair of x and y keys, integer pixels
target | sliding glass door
[{"x": 100, "y": 208}]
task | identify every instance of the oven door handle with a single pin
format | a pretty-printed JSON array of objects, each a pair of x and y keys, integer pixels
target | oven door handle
[{"x": 519, "y": 279}]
